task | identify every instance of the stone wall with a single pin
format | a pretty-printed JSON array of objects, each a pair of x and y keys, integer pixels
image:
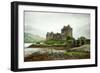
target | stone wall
[{"x": 65, "y": 31}]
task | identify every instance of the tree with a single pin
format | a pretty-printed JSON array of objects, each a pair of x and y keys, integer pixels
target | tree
[
  {"x": 81, "y": 41},
  {"x": 70, "y": 42}
]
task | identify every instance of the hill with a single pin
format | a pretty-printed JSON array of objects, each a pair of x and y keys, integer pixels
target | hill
[
  {"x": 30, "y": 38},
  {"x": 84, "y": 48}
]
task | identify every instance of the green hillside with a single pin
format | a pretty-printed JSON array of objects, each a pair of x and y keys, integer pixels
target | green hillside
[{"x": 30, "y": 38}]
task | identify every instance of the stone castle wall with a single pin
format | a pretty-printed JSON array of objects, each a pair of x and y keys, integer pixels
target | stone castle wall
[{"x": 65, "y": 31}]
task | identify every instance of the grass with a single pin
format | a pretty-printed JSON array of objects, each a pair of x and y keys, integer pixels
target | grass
[
  {"x": 82, "y": 52},
  {"x": 77, "y": 55},
  {"x": 57, "y": 56},
  {"x": 52, "y": 42},
  {"x": 74, "y": 53}
]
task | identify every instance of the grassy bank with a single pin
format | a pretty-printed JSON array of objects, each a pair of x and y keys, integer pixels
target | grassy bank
[{"x": 57, "y": 56}]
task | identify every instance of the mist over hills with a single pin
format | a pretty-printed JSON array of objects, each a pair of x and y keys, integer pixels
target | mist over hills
[{"x": 31, "y": 38}]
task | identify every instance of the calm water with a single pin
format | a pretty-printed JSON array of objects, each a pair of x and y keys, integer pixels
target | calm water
[{"x": 29, "y": 51}]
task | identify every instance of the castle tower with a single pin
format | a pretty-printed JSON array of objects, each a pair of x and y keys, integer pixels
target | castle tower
[
  {"x": 49, "y": 36},
  {"x": 66, "y": 31}
]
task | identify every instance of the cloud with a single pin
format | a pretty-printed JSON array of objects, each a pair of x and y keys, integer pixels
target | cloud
[{"x": 42, "y": 22}]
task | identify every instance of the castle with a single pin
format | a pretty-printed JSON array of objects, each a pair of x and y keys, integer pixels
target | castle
[{"x": 65, "y": 31}]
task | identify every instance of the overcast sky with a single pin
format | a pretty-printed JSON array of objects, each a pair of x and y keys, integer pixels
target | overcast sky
[{"x": 39, "y": 23}]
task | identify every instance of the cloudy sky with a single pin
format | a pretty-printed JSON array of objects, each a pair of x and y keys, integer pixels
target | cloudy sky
[{"x": 39, "y": 23}]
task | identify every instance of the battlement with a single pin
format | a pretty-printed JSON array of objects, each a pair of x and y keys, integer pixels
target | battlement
[{"x": 65, "y": 31}]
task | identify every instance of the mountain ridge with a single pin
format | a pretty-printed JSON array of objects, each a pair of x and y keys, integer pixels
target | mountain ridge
[{"x": 31, "y": 38}]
